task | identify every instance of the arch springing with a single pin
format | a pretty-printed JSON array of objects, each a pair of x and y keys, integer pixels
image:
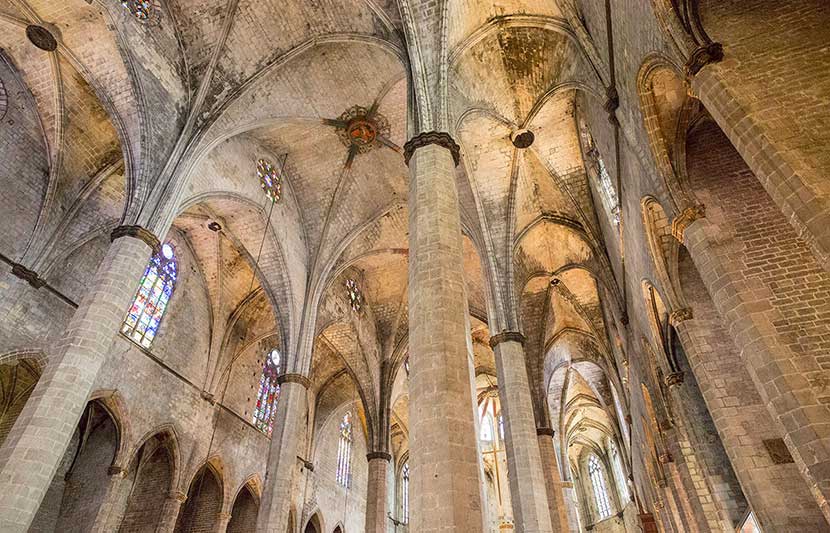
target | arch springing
[
  {"x": 344, "y": 452},
  {"x": 269, "y": 393},
  {"x": 600, "y": 489},
  {"x": 144, "y": 317}
]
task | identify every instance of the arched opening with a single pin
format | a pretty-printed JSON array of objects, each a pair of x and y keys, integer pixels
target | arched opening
[
  {"x": 81, "y": 484},
  {"x": 153, "y": 479},
  {"x": 17, "y": 381},
  {"x": 313, "y": 525},
  {"x": 203, "y": 504},
  {"x": 244, "y": 512}
]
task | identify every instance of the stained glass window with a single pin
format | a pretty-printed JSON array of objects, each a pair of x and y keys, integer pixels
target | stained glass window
[
  {"x": 269, "y": 393},
  {"x": 600, "y": 490},
  {"x": 143, "y": 10},
  {"x": 599, "y": 172},
  {"x": 269, "y": 179},
  {"x": 355, "y": 297},
  {"x": 153, "y": 296},
  {"x": 344, "y": 452},
  {"x": 405, "y": 493}
]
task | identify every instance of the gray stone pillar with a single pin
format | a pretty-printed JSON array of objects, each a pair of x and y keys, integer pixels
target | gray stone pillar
[
  {"x": 113, "y": 506},
  {"x": 528, "y": 493},
  {"x": 444, "y": 456},
  {"x": 33, "y": 450},
  {"x": 170, "y": 512},
  {"x": 553, "y": 481},
  {"x": 282, "y": 456},
  {"x": 376, "y": 508}
]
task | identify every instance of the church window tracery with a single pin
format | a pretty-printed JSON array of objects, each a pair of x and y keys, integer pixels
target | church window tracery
[
  {"x": 600, "y": 489},
  {"x": 269, "y": 179},
  {"x": 152, "y": 298},
  {"x": 405, "y": 493},
  {"x": 144, "y": 10},
  {"x": 355, "y": 296},
  {"x": 344, "y": 452},
  {"x": 269, "y": 393}
]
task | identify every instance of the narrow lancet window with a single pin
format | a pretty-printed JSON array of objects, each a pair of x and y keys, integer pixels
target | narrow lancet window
[
  {"x": 144, "y": 317},
  {"x": 269, "y": 393},
  {"x": 344, "y": 452}
]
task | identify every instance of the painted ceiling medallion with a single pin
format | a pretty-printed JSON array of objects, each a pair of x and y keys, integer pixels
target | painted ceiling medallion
[
  {"x": 42, "y": 38},
  {"x": 360, "y": 129}
]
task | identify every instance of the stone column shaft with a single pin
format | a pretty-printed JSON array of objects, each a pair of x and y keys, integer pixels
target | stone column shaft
[
  {"x": 113, "y": 506},
  {"x": 528, "y": 493},
  {"x": 376, "y": 507},
  {"x": 444, "y": 458},
  {"x": 553, "y": 481},
  {"x": 170, "y": 512},
  {"x": 282, "y": 456},
  {"x": 34, "y": 448},
  {"x": 222, "y": 523}
]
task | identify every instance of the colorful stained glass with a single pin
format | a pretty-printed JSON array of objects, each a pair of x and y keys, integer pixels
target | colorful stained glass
[
  {"x": 355, "y": 297},
  {"x": 143, "y": 10},
  {"x": 144, "y": 317},
  {"x": 269, "y": 393},
  {"x": 269, "y": 179},
  {"x": 344, "y": 452}
]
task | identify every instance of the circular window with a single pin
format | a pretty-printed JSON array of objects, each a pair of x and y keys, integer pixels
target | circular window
[{"x": 146, "y": 11}]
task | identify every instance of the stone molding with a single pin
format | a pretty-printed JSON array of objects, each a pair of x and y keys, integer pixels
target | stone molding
[
  {"x": 507, "y": 336},
  {"x": 386, "y": 456},
  {"x": 545, "y": 431},
  {"x": 431, "y": 137},
  {"x": 225, "y": 516},
  {"x": 178, "y": 495},
  {"x": 294, "y": 378},
  {"x": 685, "y": 219},
  {"x": 680, "y": 315},
  {"x": 139, "y": 233},
  {"x": 702, "y": 56}
]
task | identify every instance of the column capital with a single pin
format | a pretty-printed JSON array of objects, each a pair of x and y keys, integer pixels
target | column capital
[
  {"x": 137, "y": 232},
  {"x": 426, "y": 138},
  {"x": 386, "y": 456},
  {"x": 177, "y": 495},
  {"x": 545, "y": 431},
  {"x": 702, "y": 56},
  {"x": 680, "y": 315},
  {"x": 506, "y": 336},
  {"x": 225, "y": 516},
  {"x": 674, "y": 379},
  {"x": 117, "y": 471},
  {"x": 685, "y": 219},
  {"x": 294, "y": 378}
]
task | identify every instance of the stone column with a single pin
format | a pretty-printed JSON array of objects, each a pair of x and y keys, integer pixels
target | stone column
[
  {"x": 282, "y": 456},
  {"x": 170, "y": 512},
  {"x": 553, "y": 481},
  {"x": 376, "y": 508},
  {"x": 113, "y": 506},
  {"x": 34, "y": 448},
  {"x": 222, "y": 523},
  {"x": 528, "y": 493},
  {"x": 445, "y": 482}
]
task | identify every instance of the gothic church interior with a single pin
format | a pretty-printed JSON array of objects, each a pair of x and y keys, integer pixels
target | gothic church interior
[{"x": 414, "y": 266}]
